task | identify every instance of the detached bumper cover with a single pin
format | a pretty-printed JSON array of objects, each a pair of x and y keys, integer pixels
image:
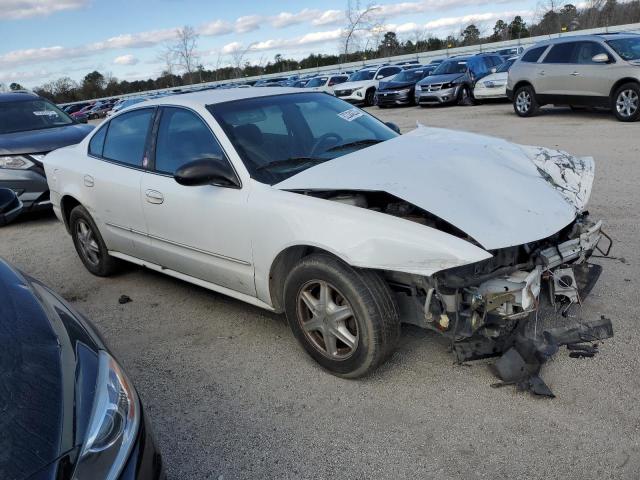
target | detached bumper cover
[{"x": 30, "y": 186}]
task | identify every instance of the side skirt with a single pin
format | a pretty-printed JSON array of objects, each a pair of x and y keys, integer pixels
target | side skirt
[{"x": 196, "y": 281}]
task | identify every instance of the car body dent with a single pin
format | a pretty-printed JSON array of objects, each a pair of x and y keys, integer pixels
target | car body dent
[{"x": 454, "y": 175}]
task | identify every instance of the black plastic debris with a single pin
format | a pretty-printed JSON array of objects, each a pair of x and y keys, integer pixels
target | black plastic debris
[
  {"x": 124, "y": 299},
  {"x": 10, "y": 206},
  {"x": 522, "y": 355}
]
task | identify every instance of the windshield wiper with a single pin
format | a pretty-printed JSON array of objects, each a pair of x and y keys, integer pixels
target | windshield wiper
[
  {"x": 357, "y": 143},
  {"x": 292, "y": 161}
]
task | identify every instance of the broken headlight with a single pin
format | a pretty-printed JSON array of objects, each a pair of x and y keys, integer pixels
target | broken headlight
[
  {"x": 15, "y": 162},
  {"x": 113, "y": 426}
]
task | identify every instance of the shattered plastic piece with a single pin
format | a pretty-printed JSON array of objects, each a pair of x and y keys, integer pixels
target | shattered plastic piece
[{"x": 124, "y": 299}]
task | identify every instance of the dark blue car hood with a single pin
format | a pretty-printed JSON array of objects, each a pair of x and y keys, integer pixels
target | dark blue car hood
[
  {"x": 395, "y": 85},
  {"x": 44, "y": 140},
  {"x": 44, "y": 349}
]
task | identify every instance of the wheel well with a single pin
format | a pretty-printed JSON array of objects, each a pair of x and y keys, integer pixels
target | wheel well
[
  {"x": 281, "y": 267},
  {"x": 67, "y": 203},
  {"x": 522, "y": 83},
  {"x": 621, "y": 82}
]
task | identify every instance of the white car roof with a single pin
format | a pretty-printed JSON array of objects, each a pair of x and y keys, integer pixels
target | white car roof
[{"x": 209, "y": 97}]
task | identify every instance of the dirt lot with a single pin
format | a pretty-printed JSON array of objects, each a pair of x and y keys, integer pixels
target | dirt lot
[{"x": 231, "y": 395}]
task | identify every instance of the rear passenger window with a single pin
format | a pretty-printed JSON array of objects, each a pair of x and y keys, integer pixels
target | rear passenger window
[
  {"x": 561, "y": 53},
  {"x": 97, "y": 142},
  {"x": 127, "y": 136},
  {"x": 585, "y": 51},
  {"x": 182, "y": 138},
  {"x": 533, "y": 55}
]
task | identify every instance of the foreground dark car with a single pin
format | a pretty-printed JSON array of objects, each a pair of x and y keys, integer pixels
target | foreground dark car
[
  {"x": 31, "y": 127},
  {"x": 400, "y": 89},
  {"x": 68, "y": 409}
]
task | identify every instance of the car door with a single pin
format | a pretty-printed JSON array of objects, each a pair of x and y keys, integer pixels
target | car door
[
  {"x": 555, "y": 77},
  {"x": 593, "y": 80},
  {"x": 112, "y": 181},
  {"x": 200, "y": 231}
]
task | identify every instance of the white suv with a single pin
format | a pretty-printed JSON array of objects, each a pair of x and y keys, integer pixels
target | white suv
[
  {"x": 586, "y": 70},
  {"x": 362, "y": 85}
]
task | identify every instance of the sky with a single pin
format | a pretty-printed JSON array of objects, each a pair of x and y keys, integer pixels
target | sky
[{"x": 41, "y": 40}]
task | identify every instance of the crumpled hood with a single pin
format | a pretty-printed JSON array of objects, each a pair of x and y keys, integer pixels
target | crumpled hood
[
  {"x": 499, "y": 193},
  {"x": 44, "y": 140}
]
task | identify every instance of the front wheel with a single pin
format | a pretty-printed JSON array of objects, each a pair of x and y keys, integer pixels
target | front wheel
[
  {"x": 90, "y": 245},
  {"x": 369, "y": 98},
  {"x": 626, "y": 102},
  {"x": 465, "y": 96},
  {"x": 524, "y": 102},
  {"x": 346, "y": 319}
]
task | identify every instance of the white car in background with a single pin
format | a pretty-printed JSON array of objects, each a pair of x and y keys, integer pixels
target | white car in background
[
  {"x": 326, "y": 83},
  {"x": 362, "y": 85},
  {"x": 494, "y": 86},
  {"x": 298, "y": 202}
]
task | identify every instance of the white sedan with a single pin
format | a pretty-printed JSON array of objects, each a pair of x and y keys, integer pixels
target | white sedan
[
  {"x": 298, "y": 202},
  {"x": 494, "y": 86}
]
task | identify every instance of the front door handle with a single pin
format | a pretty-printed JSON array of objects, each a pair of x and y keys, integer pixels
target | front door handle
[
  {"x": 575, "y": 74},
  {"x": 88, "y": 181},
  {"x": 153, "y": 196},
  {"x": 541, "y": 73}
]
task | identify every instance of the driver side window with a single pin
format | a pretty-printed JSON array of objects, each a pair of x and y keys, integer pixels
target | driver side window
[{"x": 182, "y": 138}]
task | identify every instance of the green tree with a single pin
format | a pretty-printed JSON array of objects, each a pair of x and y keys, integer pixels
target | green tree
[
  {"x": 16, "y": 86},
  {"x": 518, "y": 28},
  {"x": 93, "y": 84},
  {"x": 470, "y": 35},
  {"x": 500, "y": 31},
  {"x": 389, "y": 45}
]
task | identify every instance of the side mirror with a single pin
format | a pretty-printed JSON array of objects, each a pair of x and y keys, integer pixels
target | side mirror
[
  {"x": 601, "y": 58},
  {"x": 379, "y": 77},
  {"x": 493, "y": 70},
  {"x": 207, "y": 171},
  {"x": 10, "y": 206},
  {"x": 393, "y": 127}
]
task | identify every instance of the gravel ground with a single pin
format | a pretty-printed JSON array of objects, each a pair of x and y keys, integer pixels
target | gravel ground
[{"x": 231, "y": 395}]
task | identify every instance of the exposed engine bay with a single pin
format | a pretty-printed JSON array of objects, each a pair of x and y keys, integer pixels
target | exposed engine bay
[{"x": 490, "y": 308}]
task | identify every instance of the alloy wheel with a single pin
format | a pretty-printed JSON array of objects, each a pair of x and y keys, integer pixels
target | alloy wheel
[
  {"x": 327, "y": 320},
  {"x": 627, "y": 103},
  {"x": 87, "y": 242},
  {"x": 523, "y": 102}
]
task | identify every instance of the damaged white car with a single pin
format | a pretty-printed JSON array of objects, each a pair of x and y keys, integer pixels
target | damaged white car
[{"x": 300, "y": 203}]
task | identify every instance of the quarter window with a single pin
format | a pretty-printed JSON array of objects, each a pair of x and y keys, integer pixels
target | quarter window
[
  {"x": 126, "y": 137},
  {"x": 182, "y": 138},
  {"x": 533, "y": 55},
  {"x": 97, "y": 142}
]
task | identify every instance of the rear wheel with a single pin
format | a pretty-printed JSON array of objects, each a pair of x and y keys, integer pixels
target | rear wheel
[
  {"x": 346, "y": 319},
  {"x": 90, "y": 245},
  {"x": 626, "y": 102},
  {"x": 524, "y": 102}
]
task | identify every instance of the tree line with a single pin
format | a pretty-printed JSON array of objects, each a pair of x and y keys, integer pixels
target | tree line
[{"x": 364, "y": 38}]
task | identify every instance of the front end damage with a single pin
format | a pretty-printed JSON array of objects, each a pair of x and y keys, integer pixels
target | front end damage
[{"x": 497, "y": 307}]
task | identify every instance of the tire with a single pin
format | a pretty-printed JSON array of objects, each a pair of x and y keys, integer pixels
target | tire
[
  {"x": 369, "y": 97},
  {"x": 626, "y": 102},
  {"x": 465, "y": 96},
  {"x": 89, "y": 244},
  {"x": 370, "y": 315},
  {"x": 525, "y": 103}
]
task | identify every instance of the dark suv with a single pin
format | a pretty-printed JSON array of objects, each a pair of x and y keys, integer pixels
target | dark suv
[
  {"x": 31, "y": 127},
  {"x": 454, "y": 79}
]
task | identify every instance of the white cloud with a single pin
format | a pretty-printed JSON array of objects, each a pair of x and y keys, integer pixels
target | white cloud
[
  {"x": 285, "y": 19},
  {"x": 231, "y": 47},
  {"x": 16, "y": 9},
  {"x": 215, "y": 28},
  {"x": 126, "y": 60},
  {"x": 248, "y": 23},
  {"x": 329, "y": 17}
]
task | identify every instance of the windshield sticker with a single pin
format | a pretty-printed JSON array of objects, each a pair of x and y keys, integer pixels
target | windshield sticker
[
  {"x": 45, "y": 113},
  {"x": 351, "y": 114}
]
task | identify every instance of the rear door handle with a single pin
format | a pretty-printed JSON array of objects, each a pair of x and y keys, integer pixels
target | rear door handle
[
  {"x": 541, "y": 73},
  {"x": 575, "y": 74},
  {"x": 88, "y": 181},
  {"x": 153, "y": 196}
]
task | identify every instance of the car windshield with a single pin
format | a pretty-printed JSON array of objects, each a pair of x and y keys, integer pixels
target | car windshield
[
  {"x": 23, "y": 116},
  {"x": 282, "y": 135},
  {"x": 504, "y": 67},
  {"x": 362, "y": 75},
  {"x": 627, "y": 48},
  {"x": 451, "y": 66},
  {"x": 409, "y": 76},
  {"x": 316, "y": 82}
]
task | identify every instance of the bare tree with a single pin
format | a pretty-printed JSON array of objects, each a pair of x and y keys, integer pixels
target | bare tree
[
  {"x": 185, "y": 50},
  {"x": 358, "y": 19},
  {"x": 167, "y": 56},
  {"x": 237, "y": 58}
]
